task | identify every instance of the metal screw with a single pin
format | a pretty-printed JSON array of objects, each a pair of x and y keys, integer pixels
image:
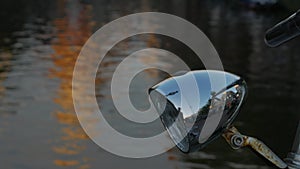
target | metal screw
[{"x": 237, "y": 140}]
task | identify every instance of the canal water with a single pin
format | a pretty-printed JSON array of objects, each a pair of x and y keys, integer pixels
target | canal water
[{"x": 39, "y": 45}]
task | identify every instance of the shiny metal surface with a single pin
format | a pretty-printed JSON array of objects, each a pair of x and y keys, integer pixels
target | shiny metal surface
[{"x": 196, "y": 107}]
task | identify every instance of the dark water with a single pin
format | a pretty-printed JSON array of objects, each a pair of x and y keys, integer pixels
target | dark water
[{"x": 39, "y": 44}]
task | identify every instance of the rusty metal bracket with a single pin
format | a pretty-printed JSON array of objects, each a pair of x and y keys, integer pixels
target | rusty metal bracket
[{"x": 236, "y": 140}]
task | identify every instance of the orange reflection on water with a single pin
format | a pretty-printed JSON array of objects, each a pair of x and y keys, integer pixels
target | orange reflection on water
[
  {"x": 72, "y": 32},
  {"x": 66, "y": 163}
]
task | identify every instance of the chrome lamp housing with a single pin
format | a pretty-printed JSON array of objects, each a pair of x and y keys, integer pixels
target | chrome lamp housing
[{"x": 198, "y": 106}]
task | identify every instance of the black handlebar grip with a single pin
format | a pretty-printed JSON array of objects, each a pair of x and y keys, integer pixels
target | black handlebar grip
[{"x": 284, "y": 31}]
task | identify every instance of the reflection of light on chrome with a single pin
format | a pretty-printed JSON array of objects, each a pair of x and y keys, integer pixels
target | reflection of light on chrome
[{"x": 187, "y": 126}]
